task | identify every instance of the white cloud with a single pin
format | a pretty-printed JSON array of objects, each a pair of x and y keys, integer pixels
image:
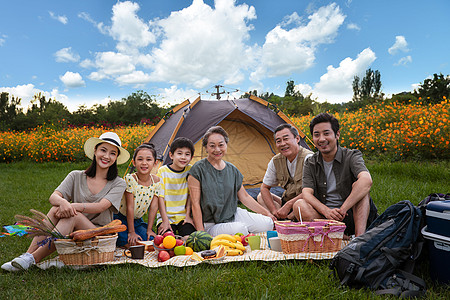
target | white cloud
[
  {"x": 336, "y": 85},
  {"x": 404, "y": 61},
  {"x": 26, "y": 92},
  {"x": 175, "y": 95},
  {"x": 66, "y": 55},
  {"x": 100, "y": 26},
  {"x": 400, "y": 45},
  {"x": 294, "y": 18},
  {"x": 188, "y": 49},
  {"x": 137, "y": 78},
  {"x": 112, "y": 64},
  {"x": 415, "y": 86},
  {"x": 62, "y": 19},
  {"x": 353, "y": 26},
  {"x": 304, "y": 89},
  {"x": 293, "y": 51},
  {"x": 128, "y": 29},
  {"x": 97, "y": 76},
  {"x": 3, "y": 39},
  {"x": 203, "y": 46},
  {"x": 72, "y": 80},
  {"x": 87, "y": 63}
]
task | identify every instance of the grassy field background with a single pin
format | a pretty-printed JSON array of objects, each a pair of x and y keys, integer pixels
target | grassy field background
[{"x": 26, "y": 185}]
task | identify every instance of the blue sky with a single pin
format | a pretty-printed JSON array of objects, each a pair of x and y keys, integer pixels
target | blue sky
[{"x": 87, "y": 52}]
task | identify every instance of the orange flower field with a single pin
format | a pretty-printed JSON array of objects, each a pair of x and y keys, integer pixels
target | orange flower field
[
  {"x": 49, "y": 144},
  {"x": 393, "y": 131}
]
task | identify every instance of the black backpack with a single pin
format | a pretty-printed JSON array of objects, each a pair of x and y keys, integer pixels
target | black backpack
[{"x": 383, "y": 257}]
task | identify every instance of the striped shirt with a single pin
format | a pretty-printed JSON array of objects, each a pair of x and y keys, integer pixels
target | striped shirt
[{"x": 174, "y": 190}]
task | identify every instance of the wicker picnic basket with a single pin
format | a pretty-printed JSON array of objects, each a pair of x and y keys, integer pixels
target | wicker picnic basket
[
  {"x": 99, "y": 249},
  {"x": 319, "y": 236}
]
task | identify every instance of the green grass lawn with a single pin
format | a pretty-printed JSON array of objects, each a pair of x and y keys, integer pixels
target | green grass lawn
[{"x": 28, "y": 185}]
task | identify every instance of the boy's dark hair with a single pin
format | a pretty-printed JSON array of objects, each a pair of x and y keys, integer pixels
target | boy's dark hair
[
  {"x": 148, "y": 146},
  {"x": 182, "y": 142},
  {"x": 214, "y": 129},
  {"x": 324, "y": 118},
  {"x": 291, "y": 128},
  {"x": 112, "y": 170}
]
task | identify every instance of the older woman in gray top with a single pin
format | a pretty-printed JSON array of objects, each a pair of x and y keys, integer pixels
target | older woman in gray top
[
  {"x": 216, "y": 187},
  {"x": 85, "y": 199}
]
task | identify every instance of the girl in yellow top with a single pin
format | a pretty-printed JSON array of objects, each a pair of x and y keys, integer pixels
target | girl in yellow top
[{"x": 143, "y": 189}]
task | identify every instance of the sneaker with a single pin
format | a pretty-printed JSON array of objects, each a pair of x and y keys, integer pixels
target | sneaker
[
  {"x": 23, "y": 262},
  {"x": 9, "y": 267}
]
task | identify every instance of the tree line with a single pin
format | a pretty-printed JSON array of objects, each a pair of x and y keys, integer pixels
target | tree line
[
  {"x": 142, "y": 108},
  {"x": 365, "y": 91},
  {"x": 139, "y": 107}
]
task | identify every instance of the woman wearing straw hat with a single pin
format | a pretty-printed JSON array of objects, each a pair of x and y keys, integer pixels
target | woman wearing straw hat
[{"x": 85, "y": 199}]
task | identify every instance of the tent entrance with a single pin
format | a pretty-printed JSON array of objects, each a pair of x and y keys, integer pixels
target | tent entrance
[{"x": 250, "y": 147}]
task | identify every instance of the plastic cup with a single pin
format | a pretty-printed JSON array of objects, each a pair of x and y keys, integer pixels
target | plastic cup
[
  {"x": 254, "y": 242},
  {"x": 271, "y": 234},
  {"x": 275, "y": 244}
]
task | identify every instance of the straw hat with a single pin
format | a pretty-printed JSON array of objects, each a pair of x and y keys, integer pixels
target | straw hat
[{"x": 110, "y": 138}]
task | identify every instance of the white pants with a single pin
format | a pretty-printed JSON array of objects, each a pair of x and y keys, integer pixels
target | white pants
[{"x": 244, "y": 222}]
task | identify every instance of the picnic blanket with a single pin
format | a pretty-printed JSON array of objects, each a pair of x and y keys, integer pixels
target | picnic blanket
[{"x": 150, "y": 259}]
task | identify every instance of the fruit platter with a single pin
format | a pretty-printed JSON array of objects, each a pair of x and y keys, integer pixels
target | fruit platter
[{"x": 199, "y": 245}]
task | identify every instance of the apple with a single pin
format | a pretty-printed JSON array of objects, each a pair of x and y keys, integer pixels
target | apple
[
  {"x": 179, "y": 243},
  {"x": 158, "y": 239},
  {"x": 171, "y": 253},
  {"x": 244, "y": 242},
  {"x": 168, "y": 233},
  {"x": 163, "y": 256}
]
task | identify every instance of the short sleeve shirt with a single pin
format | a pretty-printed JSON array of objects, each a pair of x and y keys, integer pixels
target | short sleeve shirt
[
  {"x": 219, "y": 188},
  {"x": 175, "y": 191},
  {"x": 270, "y": 177},
  {"x": 143, "y": 195},
  {"x": 74, "y": 188},
  {"x": 347, "y": 165}
]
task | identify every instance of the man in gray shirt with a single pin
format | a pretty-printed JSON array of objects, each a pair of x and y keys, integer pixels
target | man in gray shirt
[{"x": 336, "y": 182}]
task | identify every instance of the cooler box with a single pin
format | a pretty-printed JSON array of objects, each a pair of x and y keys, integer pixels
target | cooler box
[
  {"x": 439, "y": 251},
  {"x": 438, "y": 217}
]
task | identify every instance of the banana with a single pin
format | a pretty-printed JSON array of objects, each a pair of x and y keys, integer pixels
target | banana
[
  {"x": 234, "y": 252},
  {"x": 216, "y": 243},
  {"x": 227, "y": 243},
  {"x": 224, "y": 237}
]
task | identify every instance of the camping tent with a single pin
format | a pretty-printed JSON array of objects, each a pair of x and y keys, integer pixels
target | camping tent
[{"x": 250, "y": 124}]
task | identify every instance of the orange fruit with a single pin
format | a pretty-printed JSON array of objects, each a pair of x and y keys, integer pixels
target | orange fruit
[
  {"x": 189, "y": 251},
  {"x": 169, "y": 242}
]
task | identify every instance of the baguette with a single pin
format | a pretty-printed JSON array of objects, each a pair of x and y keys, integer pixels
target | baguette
[
  {"x": 111, "y": 224},
  {"x": 90, "y": 233}
]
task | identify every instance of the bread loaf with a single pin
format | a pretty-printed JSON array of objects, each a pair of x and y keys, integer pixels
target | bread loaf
[
  {"x": 90, "y": 233},
  {"x": 84, "y": 234}
]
